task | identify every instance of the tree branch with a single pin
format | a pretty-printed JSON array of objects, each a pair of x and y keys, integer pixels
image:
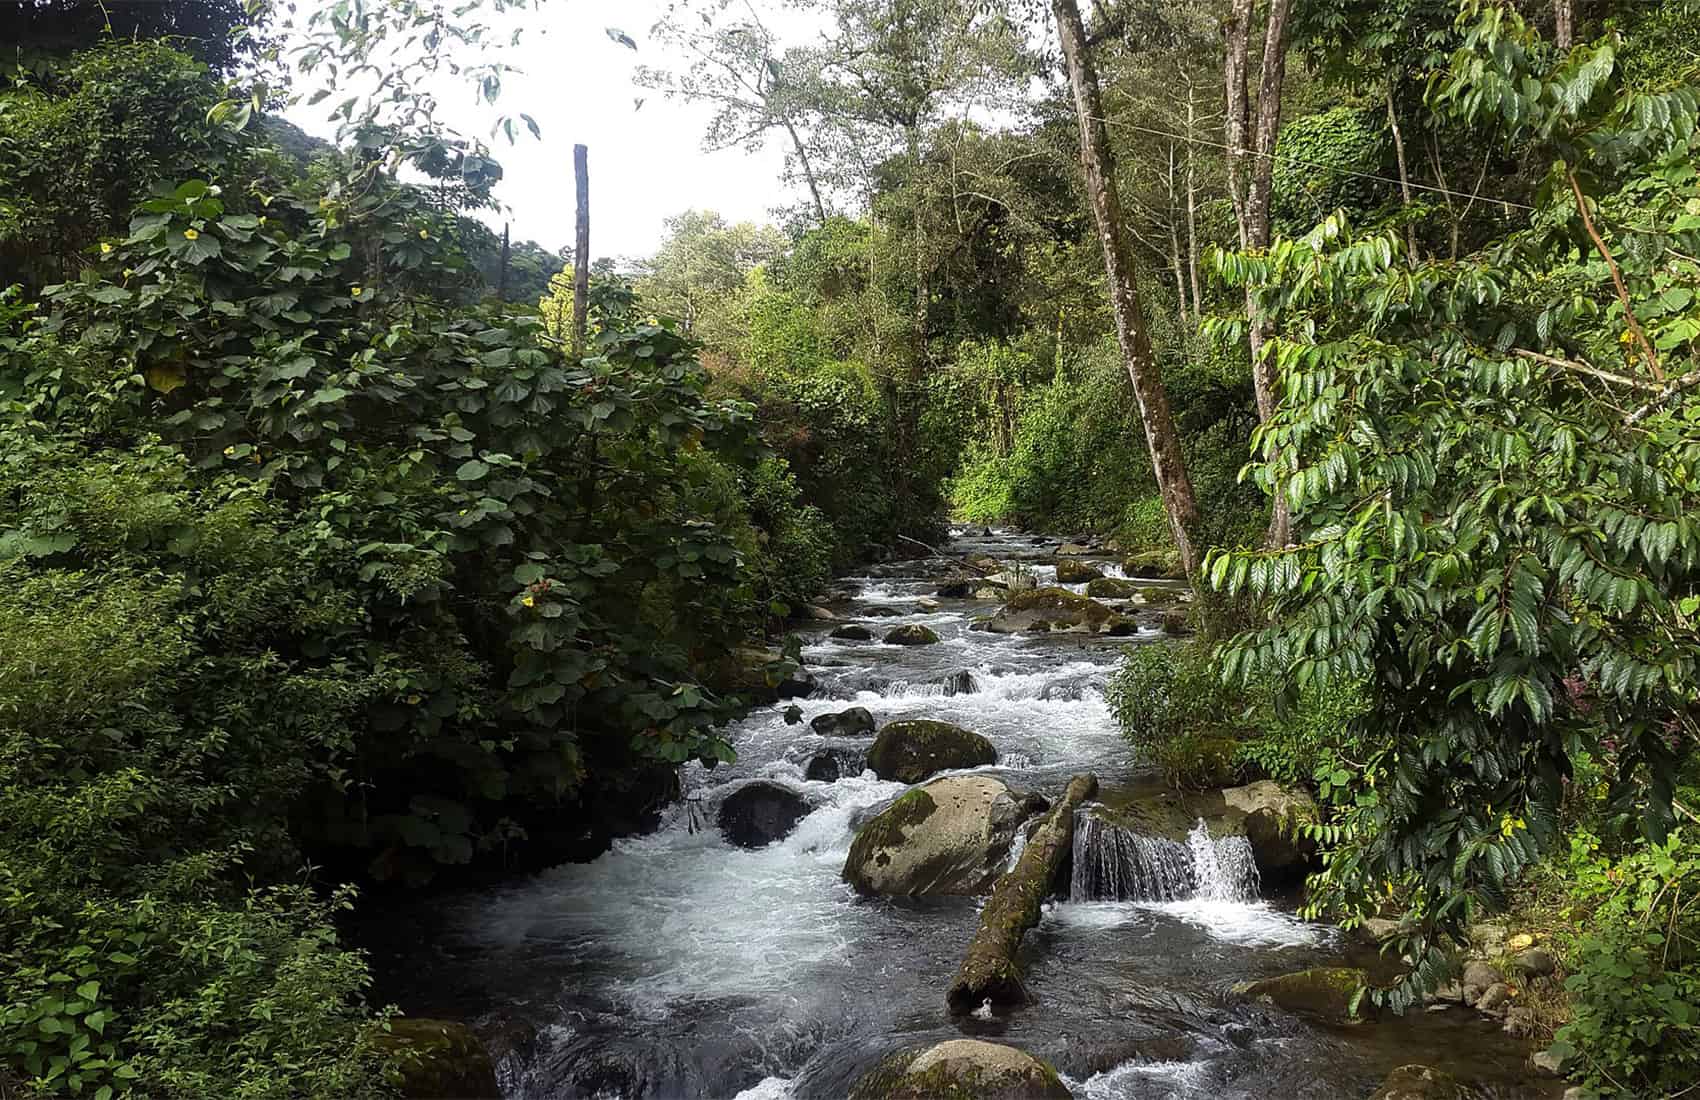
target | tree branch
[{"x": 1616, "y": 278}]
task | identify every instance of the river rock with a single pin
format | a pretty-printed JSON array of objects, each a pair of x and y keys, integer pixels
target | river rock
[
  {"x": 1073, "y": 549},
  {"x": 432, "y": 1059},
  {"x": 917, "y": 749},
  {"x": 911, "y": 634},
  {"x": 1163, "y": 564},
  {"x": 1494, "y": 998},
  {"x": 852, "y": 632},
  {"x": 960, "y": 682},
  {"x": 1478, "y": 976},
  {"x": 1057, "y": 608},
  {"x": 881, "y": 612},
  {"x": 855, "y": 722},
  {"x": 1070, "y": 571},
  {"x": 1324, "y": 993},
  {"x": 960, "y": 588},
  {"x": 824, "y": 768},
  {"x": 744, "y": 671},
  {"x": 1012, "y": 580},
  {"x": 757, "y": 814},
  {"x": 1536, "y": 962},
  {"x": 1271, "y": 816},
  {"x": 962, "y": 1068},
  {"x": 950, "y": 836},
  {"x": 1110, "y": 588},
  {"x": 1420, "y": 1083}
]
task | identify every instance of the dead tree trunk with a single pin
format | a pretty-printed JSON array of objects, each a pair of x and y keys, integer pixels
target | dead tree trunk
[
  {"x": 1564, "y": 23},
  {"x": 1404, "y": 177},
  {"x": 1143, "y": 369},
  {"x": 990, "y": 970},
  {"x": 581, "y": 250}
]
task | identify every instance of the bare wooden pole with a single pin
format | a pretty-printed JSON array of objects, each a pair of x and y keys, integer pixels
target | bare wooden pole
[{"x": 581, "y": 252}]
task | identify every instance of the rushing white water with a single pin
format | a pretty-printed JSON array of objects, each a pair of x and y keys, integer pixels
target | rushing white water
[{"x": 678, "y": 965}]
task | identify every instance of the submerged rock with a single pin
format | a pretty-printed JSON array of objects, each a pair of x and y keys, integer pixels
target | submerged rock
[
  {"x": 855, "y": 722},
  {"x": 951, "y": 836},
  {"x": 852, "y": 632},
  {"x": 913, "y": 750},
  {"x": 759, "y": 813},
  {"x": 1070, "y": 571},
  {"x": 433, "y": 1059},
  {"x": 1057, "y": 608},
  {"x": 1325, "y": 993},
  {"x": 912, "y": 634},
  {"x": 962, "y": 1069},
  {"x": 1420, "y": 1083}
]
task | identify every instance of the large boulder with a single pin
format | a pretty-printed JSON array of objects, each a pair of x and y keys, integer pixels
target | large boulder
[
  {"x": 757, "y": 814},
  {"x": 1073, "y": 571},
  {"x": 436, "y": 1060},
  {"x": 912, "y": 634},
  {"x": 1325, "y": 993},
  {"x": 1165, "y": 564},
  {"x": 1272, "y": 818},
  {"x": 951, "y": 836},
  {"x": 1056, "y": 609},
  {"x": 918, "y": 749},
  {"x": 962, "y": 1069},
  {"x": 1416, "y": 1082},
  {"x": 852, "y": 632},
  {"x": 855, "y": 722},
  {"x": 1110, "y": 588},
  {"x": 753, "y": 673}
]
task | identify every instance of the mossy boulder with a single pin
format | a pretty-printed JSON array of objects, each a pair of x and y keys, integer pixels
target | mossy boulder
[
  {"x": 951, "y": 836},
  {"x": 436, "y": 1060},
  {"x": 1165, "y": 564},
  {"x": 749, "y": 671},
  {"x": 1273, "y": 819},
  {"x": 1324, "y": 993},
  {"x": 918, "y": 749},
  {"x": 1074, "y": 571},
  {"x": 1416, "y": 1082},
  {"x": 852, "y": 632},
  {"x": 911, "y": 634},
  {"x": 855, "y": 722},
  {"x": 962, "y": 1069},
  {"x": 1059, "y": 608},
  {"x": 1110, "y": 588}
]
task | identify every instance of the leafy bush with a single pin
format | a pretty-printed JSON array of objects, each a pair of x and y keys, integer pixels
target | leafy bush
[
  {"x": 1172, "y": 705},
  {"x": 1635, "y": 975}
]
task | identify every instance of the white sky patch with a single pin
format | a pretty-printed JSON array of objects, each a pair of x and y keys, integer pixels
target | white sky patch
[{"x": 645, "y": 164}]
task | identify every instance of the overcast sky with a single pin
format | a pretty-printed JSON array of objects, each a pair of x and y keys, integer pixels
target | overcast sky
[{"x": 645, "y": 164}]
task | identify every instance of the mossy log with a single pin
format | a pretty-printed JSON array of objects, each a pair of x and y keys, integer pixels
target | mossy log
[{"x": 990, "y": 969}]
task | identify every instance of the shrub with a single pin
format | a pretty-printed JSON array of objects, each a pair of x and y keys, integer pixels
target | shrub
[{"x": 1171, "y": 703}]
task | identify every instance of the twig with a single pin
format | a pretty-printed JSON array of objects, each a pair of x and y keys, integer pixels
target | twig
[
  {"x": 1616, "y": 278},
  {"x": 1664, "y": 395},
  {"x": 1585, "y": 368}
]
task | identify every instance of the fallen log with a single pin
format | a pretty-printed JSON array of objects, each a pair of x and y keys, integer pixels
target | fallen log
[{"x": 990, "y": 970}]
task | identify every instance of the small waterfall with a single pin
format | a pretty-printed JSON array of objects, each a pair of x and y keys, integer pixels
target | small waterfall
[{"x": 1116, "y": 864}]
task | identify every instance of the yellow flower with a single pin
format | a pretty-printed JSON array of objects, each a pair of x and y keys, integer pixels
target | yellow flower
[
  {"x": 413, "y": 700},
  {"x": 528, "y": 600},
  {"x": 424, "y": 235},
  {"x": 228, "y": 451},
  {"x": 105, "y": 248},
  {"x": 128, "y": 272},
  {"x": 190, "y": 234},
  {"x": 357, "y": 292}
]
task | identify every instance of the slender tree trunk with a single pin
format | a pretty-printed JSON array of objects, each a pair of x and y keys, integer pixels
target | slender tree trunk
[
  {"x": 581, "y": 250},
  {"x": 1404, "y": 176},
  {"x": 1564, "y": 23},
  {"x": 502, "y": 276},
  {"x": 923, "y": 287},
  {"x": 1192, "y": 206},
  {"x": 1143, "y": 370},
  {"x": 1237, "y": 32},
  {"x": 808, "y": 171},
  {"x": 1175, "y": 241}
]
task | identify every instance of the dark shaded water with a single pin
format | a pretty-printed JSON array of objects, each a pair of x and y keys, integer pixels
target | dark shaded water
[{"x": 679, "y": 966}]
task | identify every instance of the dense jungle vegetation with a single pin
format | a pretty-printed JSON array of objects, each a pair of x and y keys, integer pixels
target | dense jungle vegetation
[{"x": 328, "y": 564}]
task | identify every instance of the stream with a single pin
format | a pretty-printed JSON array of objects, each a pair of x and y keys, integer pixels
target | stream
[{"x": 678, "y": 965}]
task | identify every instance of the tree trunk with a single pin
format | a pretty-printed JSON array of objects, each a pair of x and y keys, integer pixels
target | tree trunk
[
  {"x": 923, "y": 288},
  {"x": 1564, "y": 23},
  {"x": 1143, "y": 369},
  {"x": 502, "y": 275},
  {"x": 1404, "y": 176},
  {"x": 1237, "y": 32},
  {"x": 991, "y": 968},
  {"x": 581, "y": 250},
  {"x": 1174, "y": 220},
  {"x": 808, "y": 171},
  {"x": 1192, "y": 206}
]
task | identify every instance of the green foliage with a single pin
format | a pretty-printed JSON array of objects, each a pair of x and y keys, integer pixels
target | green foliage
[
  {"x": 1635, "y": 976},
  {"x": 1485, "y": 540},
  {"x": 1166, "y": 692},
  {"x": 1327, "y": 156}
]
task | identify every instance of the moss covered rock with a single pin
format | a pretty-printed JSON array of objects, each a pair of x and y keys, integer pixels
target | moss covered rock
[
  {"x": 437, "y": 1060},
  {"x": 1057, "y": 607},
  {"x": 911, "y": 634},
  {"x": 1325, "y": 993},
  {"x": 951, "y": 836},
  {"x": 1111, "y": 588},
  {"x": 1273, "y": 819},
  {"x": 914, "y": 750},
  {"x": 1073, "y": 571},
  {"x": 962, "y": 1069},
  {"x": 1165, "y": 564},
  {"x": 855, "y": 722},
  {"x": 1421, "y": 1083},
  {"x": 852, "y": 632}
]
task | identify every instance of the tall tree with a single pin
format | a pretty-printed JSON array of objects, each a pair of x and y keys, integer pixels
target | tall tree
[
  {"x": 755, "y": 86},
  {"x": 1251, "y": 196},
  {"x": 1143, "y": 370}
]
